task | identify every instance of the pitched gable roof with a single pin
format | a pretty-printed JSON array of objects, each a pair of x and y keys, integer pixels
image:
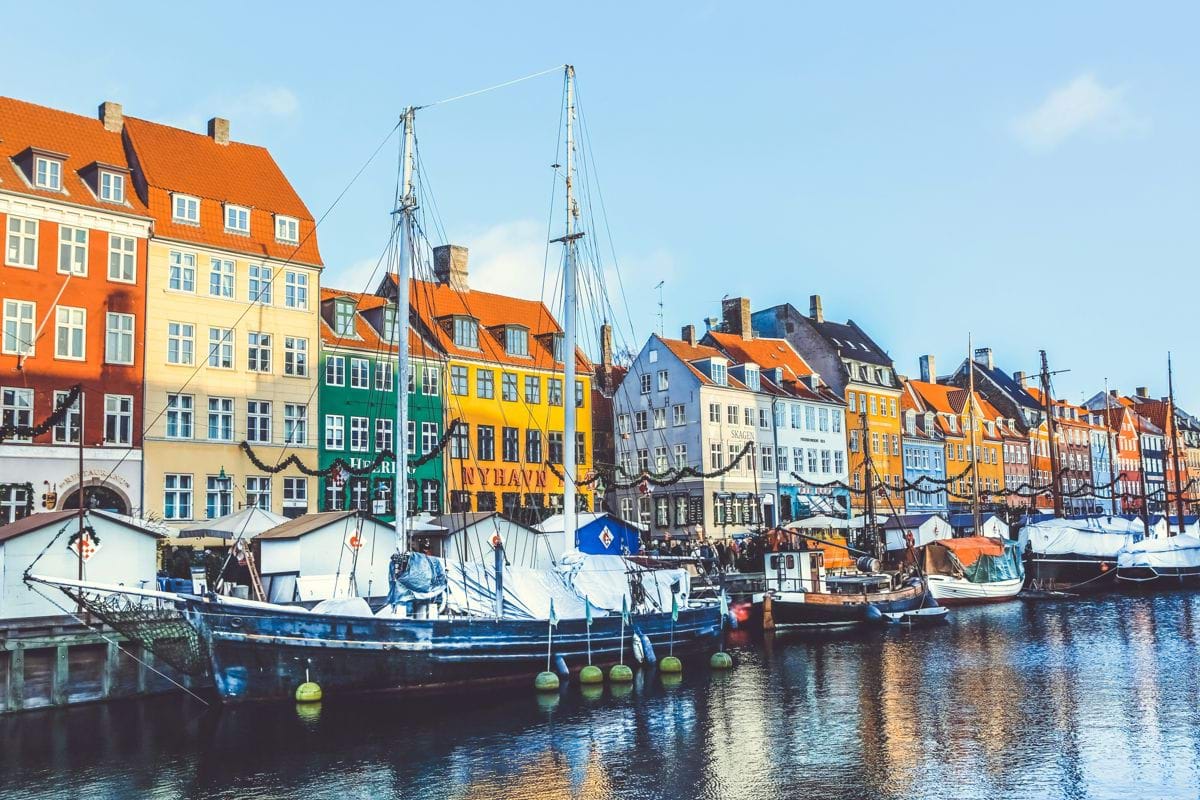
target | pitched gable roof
[
  {"x": 366, "y": 337},
  {"x": 689, "y": 353},
  {"x": 852, "y": 342}
]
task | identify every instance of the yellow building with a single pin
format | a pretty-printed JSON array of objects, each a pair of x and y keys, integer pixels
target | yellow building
[
  {"x": 232, "y": 304},
  {"x": 504, "y": 384}
]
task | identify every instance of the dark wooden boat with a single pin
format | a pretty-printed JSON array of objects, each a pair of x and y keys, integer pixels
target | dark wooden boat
[{"x": 259, "y": 651}]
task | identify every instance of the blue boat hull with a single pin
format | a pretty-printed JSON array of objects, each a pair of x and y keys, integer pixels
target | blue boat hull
[{"x": 265, "y": 653}]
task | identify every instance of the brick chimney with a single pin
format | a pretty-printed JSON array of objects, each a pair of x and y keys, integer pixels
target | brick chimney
[
  {"x": 218, "y": 129},
  {"x": 606, "y": 350},
  {"x": 983, "y": 357},
  {"x": 1019, "y": 377},
  {"x": 1113, "y": 394},
  {"x": 688, "y": 334},
  {"x": 1142, "y": 392},
  {"x": 450, "y": 266},
  {"x": 928, "y": 369},
  {"x": 735, "y": 313},
  {"x": 112, "y": 116},
  {"x": 815, "y": 312}
]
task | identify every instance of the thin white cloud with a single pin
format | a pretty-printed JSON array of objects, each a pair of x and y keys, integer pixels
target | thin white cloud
[
  {"x": 1083, "y": 105},
  {"x": 255, "y": 104}
]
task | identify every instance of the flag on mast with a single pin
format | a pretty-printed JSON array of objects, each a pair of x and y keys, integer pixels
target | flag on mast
[
  {"x": 625, "y": 610},
  {"x": 587, "y": 610},
  {"x": 674, "y": 607},
  {"x": 553, "y": 614}
]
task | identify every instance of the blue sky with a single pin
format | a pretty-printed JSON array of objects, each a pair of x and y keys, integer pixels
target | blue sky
[{"x": 1027, "y": 173}]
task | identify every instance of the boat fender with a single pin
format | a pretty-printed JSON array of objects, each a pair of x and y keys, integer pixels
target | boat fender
[
  {"x": 636, "y": 641},
  {"x": 647, "y": 648},
  {"x": 873, "y": 614},
  {"x": 560, "y": 666}
]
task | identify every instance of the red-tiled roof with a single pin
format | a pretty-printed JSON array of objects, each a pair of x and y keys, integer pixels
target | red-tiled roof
[
  {"x": 175, "y": 160},
  {"x": 83, "y": 140},
  {"x": 767, "y": 353},
  {"x": 366, "y": 337},
  {"x": 687, "y": 353}
]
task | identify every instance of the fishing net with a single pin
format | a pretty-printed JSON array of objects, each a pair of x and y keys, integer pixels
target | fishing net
[{"x": 159, "y": 628}]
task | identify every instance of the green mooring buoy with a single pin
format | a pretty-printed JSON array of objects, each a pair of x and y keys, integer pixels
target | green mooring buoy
[
  {"x": 591, "y": 675},
  {"x": 721, "y": 660},
  {"x": 546, "y": 682},
  {"x": 620, "y": 673},
  {"x": 308, "y": 692},
  {"x": 670, "y": 664}
]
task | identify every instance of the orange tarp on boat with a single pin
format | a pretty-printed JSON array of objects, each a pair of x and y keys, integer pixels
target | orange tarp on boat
[{"x": 969, "y": 548}]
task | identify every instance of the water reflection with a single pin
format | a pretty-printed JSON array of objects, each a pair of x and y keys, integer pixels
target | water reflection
[{"x": 1062, "y": 700}]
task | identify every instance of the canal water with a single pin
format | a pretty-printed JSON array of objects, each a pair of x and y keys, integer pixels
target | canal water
[{"x": 1086, "y": 699}]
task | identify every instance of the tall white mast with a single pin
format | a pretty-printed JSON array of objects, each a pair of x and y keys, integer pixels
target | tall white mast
[
  {"x": 569, "y": 301},
  {"x": 407, "y": 206}
]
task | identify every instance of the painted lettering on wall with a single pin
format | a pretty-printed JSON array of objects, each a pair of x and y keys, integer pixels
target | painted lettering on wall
[{"x": 504, "y": 478}]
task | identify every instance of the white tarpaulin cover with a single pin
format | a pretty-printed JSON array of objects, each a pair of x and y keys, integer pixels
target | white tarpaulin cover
[
  {"x": 1081, "y": 537},
  {"x": 1170, "y": 553},
  {"x": 527, "y": 592}
]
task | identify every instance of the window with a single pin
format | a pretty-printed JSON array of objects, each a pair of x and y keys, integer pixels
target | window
[
  {"x": 237, "y": 219},
  {"x": 823, "y": 419},
  {"x": 384, "y": 434},
  {"x": 557, "y": 341},
  {"x": 663, "y": 380},
  {"x": 16, "y": 408},
  {"x": 72, "y": 250},
  {"x": 714, "y": 412},
  {"x": 295, "y": 356},
  {"x": 836, "y": 416},
  {"x": 343, "y": 318},
  {"x": 258, "y": 421},
  {"x": 180, "y": 343},
  {"x": 485, "y": 384},
  {"x": 22, "y": 243},
  {"x": 853, "y": 402},
  {"x": 295, "y": 292},
  {"x": 508, "y": 386},
  {"x": 533, "y": 446},
  {"x": 118, "y": 419},
  {"x": 335, "y": 497},
  {"x": 258, "y": 352},
  {"x": 533, "y": 390},
  {"x": 644, "y": 380},
  {"x": 220, "y": 347},
  {"x": 798, "y": 458},
  {"x": 643, "y": 461},
  {"x": 218, "y": 496},
  {"x": 335, "y": 371},
  {"x": 431, "y": 381},
  {"x": 627, "y": 509},
  {"x": 660, "y": 418},
  {"x": 466, "y": 332},
  {"x": 719, "y": 374},
  {"x": 458, "y": 380},
  {"x": 360, "y": 428},
  {"x": 295, "y": 423},
  {"x": 460, "y": 441},
  {"x": 516, "y": 341},
  {"x": 733, "y": 414},
  {"x": 716, "y": 456},
  {"x": 67, "y": 431},
  {"x": 485, "y": 443},
  {"x": 764, "y": 418},
  {"x": 825, "y": 461},
  {"x": 678, "y": 415},
  {"x": 390, "y": 329},
  {"x": 680, "y": 456},
  {"x": 626, "y": 459},
  {"x": 579, "y": 394},
  {"x": 660, "y": 459},
  {"x": 874, "y": 408},
  {"x": 782, "y": 455},
  {"x": 335, "y": 432},
  {"x": 431, "y": 496},
  {"x": 287, "y": 229},
  {"x": 258, "y": 491},
  {"x": 429, "y": 437},
  {"x": 185, "y": 209},
  {"x": 260, "y": 284},
  {"x": 112, "y": 187},
  {"x": 220, "y": 278},
  {"x": 177, "y": 496},
  {"x": 768, "y": 458},
  {"x": 220, "y": 419},
  {"x": 748, "y": 416},
  {"x": 385, "y": 380},
  {"x": 360, "y": 373},
  {"x": 812, "y": 460},
  {"x": 47, "y": 173},
  {"x": 179, "y": 416},
  {"x": 639, "y": 421},
  {"x": 70, "y": 325},
  {"x": 181, "y": 271},
  {"x": 511, "y": 444},
  {"x": 118, "y": 338},
  {"x": 554, "y": 391},
  {"x": 810, "y": 418},
  {"x": 295, "y": 494},
  {"x": 122, "y": 252}
]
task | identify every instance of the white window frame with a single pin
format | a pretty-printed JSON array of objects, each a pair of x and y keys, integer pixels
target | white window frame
[
  {"x": 70, "y": 424},
  {"x": 343, "y": 318},
  {"x": 237, "y": 219},
  {"x": 295, "y": 356},
  {"x": 120, "y": 408},
  {"x": 20, "y": 326},
  {"x": 287, "y": 229},
  {"x": 224, "y": 272},
  {"x": 112, "y": 187},
  {"x": 385, "y": 435},
  {"x": 220, "y": 410},
  {"x": 121, "y": 328},
  {"x": 385, "y": 376},
  {"x": 181, "y": 343},
  {"x": 258, "y": 343},
  {"x": 262, "y": 275},
  {"x": 75, "y": 249},
  {"x": 218, "y": 346},
  {"x": 360, "y": 434},
  {"x": 122, "y": 258},
  {"x": 335, "y": 432},
  {"x": 360, "y": 373},
  {"x": 14, "y": 412},
  {"x": 53, "y": 173},
  {"x": 258, "y": 487},
  {"x": 295, "y": 290},
  {"x": 190, "y": 207},
  {"x": 180, "y": 417},
  {"x": 295, "y": 423},
  {"x": 336, "y": 365},
  {"x": 21, "y": 243},
  {"x": 179, "y": 486},
  {"x": 181, "y": 270},
  {"x": 71, "y": 327},
  {"x": 254, "y": 413},
  {"x": 295, "y": 492}
]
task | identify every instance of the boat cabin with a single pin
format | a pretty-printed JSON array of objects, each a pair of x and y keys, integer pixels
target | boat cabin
[{"x": 795, "y": 571}]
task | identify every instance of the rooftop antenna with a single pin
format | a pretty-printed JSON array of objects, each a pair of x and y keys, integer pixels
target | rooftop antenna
[{"x": 661, "y": 329}]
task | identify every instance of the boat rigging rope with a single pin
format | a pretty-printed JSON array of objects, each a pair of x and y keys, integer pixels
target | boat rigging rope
[{"x": 555, "y": 68}]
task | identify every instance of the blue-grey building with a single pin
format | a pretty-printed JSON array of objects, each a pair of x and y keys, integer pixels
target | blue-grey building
[{"x": 923, "y": 447}]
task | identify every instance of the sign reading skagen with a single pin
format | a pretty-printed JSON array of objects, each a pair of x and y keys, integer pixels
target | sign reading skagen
[{"x": 748, "y": 436}]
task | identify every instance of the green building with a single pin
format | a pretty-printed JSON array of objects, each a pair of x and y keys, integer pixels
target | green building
[{"x": 357, "y": 401}]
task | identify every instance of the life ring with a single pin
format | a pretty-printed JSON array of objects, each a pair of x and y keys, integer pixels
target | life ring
[{"x": 1104, "y": 566}]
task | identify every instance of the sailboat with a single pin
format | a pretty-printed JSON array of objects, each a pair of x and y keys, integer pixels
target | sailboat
[{"x": 434, "y": 634}]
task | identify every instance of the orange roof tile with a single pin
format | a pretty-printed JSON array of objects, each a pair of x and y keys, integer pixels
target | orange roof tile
[
  {"x": 83, "y": 140},
  {"x": 366, "y": 337},
  {"x": 687, "y": 353},
  {"x": 175, "y": 160},
  {"x": 767, "y": 353}
]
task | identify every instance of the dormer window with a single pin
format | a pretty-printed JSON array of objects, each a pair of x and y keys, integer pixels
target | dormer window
[
  {"x": 237, "y": 219},
  {"x": 516, "y": 341},
  {"x": 47, "y": 173},
  {"x": 557, "y": 342},
  {"x": 390, "y": 330},
  {"x": 185, "y": 209},
  {"x": 885, "y": 375},
  {"x": 343, "y": 317},
  {"x": 910, "y": 422},
  {"x": 466, "y": 332},
  {"x": 751, "y": 374},
  {"x": 720, "y": 375},
  {"x": 287, "y": 229},
  {"x": 112, "y": 187},
  {"x": 952, "y": 422}
]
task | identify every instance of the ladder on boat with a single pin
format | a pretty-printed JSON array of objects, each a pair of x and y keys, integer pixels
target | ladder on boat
[{"x": 247, "y": 557}]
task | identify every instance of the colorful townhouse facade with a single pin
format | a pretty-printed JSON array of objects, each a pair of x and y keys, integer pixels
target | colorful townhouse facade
[
  {"x": 859, "y": 371},
  {"x": 924, "y": 449},
  {"x": 357, "y": 402},
  {"x": 73, "y": 296},
  {"x": 504, "y": 384},
  {"x": 231, "y": 326},
  {"x": 808, "y": 443}
]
